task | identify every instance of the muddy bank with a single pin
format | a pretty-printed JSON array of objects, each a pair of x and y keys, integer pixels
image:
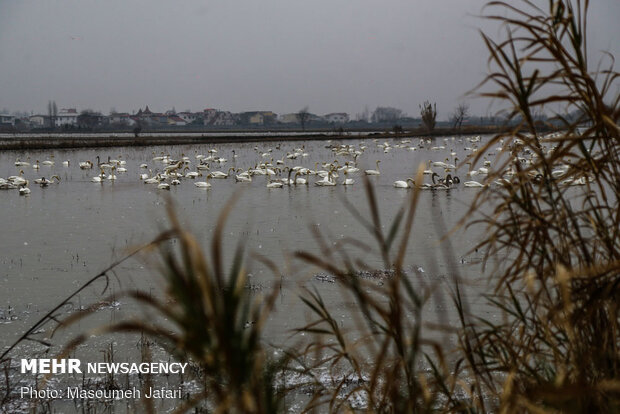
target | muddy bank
[{"x": 93, "y": 140}]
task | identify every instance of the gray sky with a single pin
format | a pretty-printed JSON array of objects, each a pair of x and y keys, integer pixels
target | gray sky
[{"x": 238, "y": 55}]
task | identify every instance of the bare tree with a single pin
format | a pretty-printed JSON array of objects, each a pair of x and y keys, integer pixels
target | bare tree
[
  {"x": 364, "y": 116},
  {"x": 386, "y": 114},
  {"x": 303, "y": 116},
  {"x": 89, "y": 119},
  {"x": 428, "y": 112},
  {"x": 460, "y": 113},
  {"x": 52, "y": 112}
]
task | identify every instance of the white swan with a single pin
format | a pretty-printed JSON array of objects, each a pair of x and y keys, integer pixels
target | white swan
[
  {"x": 325, "y": 182},
  {"x": 203, "y": 184},
  {"x": 473, "y": 184},
  {"x": 373, "y": 172},
  {"x": 44, "y": 182},
  {"x": 275, "y": 184},
  {"x": 299, "y": 180},
  {"x": 404, "y": 184},
  {"x": 17, "y": 179},
  {"x": 23, "y": 189},
  {"x": 19, "y": 163},
  {"x": 152, "y": 180}
]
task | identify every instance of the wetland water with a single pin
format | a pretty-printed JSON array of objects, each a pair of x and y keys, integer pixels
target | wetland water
[{"x": 58, "y": 237}]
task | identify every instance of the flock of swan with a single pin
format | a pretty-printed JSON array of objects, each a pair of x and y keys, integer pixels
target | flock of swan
[{"x": 290, "y": 169}]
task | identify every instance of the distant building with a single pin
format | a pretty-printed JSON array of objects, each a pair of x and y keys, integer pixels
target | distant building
[
  {"x": 7, "y": 119},
  {"x": 121, "y": 119},
  {"x": 288, "y": 118},
  {"x": 174, "y": 120},
  {"x": 188, "y": 117},
  {"x": 39, "y": 121},
  {"x": 153, "y": 119},
  {"x": 90, "y": 119},
  {"x": 337, "y": 118},
  {"x": 215, "y": 117},
  {"x": 66, "y": 117},
  {"x": 258, "y": 117}
]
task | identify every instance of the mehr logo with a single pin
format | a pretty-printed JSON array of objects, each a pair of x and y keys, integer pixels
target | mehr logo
[{"x": 51, "y": 366}]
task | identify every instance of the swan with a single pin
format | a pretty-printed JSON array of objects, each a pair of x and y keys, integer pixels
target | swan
[
  {"x": 350, "y": 170},
  {"x": 48, "y": 163},
  {"x": 163, "y": 186},
  {"x": 325, "y": 181},
  {"x": 473, "y": 184},
  {"x": 243, "y": 178},
  {"x": 7, "y": 186},
  {"x": 17, "y": 179},
  {"x": 288, "y": 180},
  {"x": 404, "y": 184},
  {"x": 23, "y": 189},
  {"x": 19, "y": 163},
  {"x": 44, "y": 182},
  {"x": 347, "y": 181},
  {"x": 98, "y": 178},
  {"x": 111, "y": 176},
  {"x": 502, "y": 181},
  {"x": 203, "y": 184},
  {"x": 220, "y": 174},
  {"x": 66, "y": 163},
  {"x": 36, "y": 165},
  {"x": 373, "y": 172},
  {"x": 173, "y": 167},
  {"x": 441, "y": 185},
  {"x": 275, "y": 184},
  {"x": 299, "y": 180},
  {"x": 452, "y": 180},
  {"x": 153, "y": 180},
  {"x": 86, "y": 165},
  {"x": 142, "y": 165},
  {"x": 574, "y": 181}
]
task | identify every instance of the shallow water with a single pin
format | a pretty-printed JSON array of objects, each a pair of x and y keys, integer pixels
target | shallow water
[{"x": 60, "y": 236}]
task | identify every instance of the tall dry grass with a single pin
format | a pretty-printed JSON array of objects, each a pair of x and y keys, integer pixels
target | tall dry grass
[
  {"x": 556, "y": 218},
  {"x": 205, "y": 317},
  {"x": 554, "y": 221}
]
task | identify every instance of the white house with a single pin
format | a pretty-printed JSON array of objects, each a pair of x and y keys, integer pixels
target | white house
[
  {"x": 218, "y": 118},
  {"x": 176, "y": 121},
  {"x": 188, "y": 117},
  {"x": 7, "y": 119},
  {"x": 66, "y": 117},
  {"x": 337, "y": 118},
  {"x": 121, "y": 119},
  {"x": 39, "y": 121}
]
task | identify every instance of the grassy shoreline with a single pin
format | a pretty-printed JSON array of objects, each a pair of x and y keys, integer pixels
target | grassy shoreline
[{"x": 86, "y": 140}]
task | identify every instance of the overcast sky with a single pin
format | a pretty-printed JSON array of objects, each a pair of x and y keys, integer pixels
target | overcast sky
[{"x": 241, "y": 55}]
